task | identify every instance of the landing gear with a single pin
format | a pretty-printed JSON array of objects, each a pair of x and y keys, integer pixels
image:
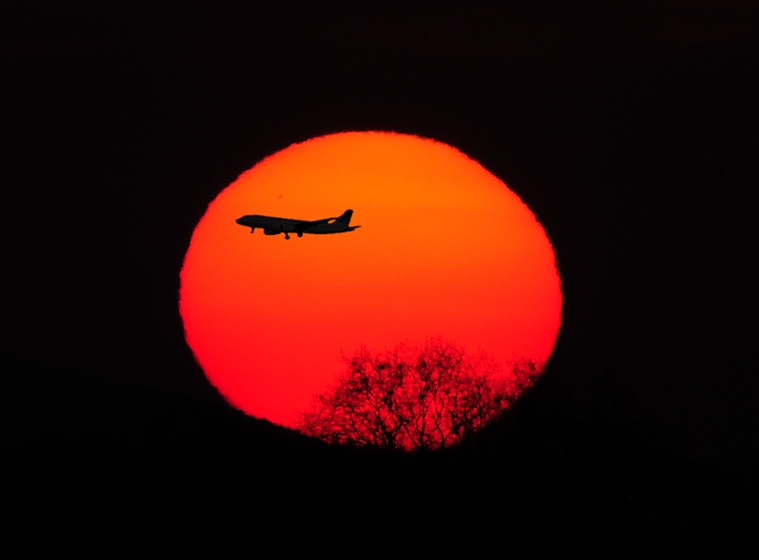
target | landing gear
[{"x": 287, "y": 236}]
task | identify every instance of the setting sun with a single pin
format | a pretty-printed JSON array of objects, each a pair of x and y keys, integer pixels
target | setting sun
[{"x": 445, "y": 249}]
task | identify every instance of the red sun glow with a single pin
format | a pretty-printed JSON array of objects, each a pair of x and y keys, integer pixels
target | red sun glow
[{"x": 444, "y": 249}]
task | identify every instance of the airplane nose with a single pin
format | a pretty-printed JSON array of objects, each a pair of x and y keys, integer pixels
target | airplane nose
[{"x": 241, "y": 221}]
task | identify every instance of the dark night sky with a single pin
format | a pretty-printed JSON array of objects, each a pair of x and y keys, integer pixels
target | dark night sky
[{"x": 631, "y": 129}]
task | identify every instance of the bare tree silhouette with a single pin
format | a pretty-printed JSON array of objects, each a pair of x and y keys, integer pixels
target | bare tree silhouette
[{"x": 415, "y": 397}]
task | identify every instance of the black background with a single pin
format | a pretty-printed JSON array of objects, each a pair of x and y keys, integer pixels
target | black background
[{"x": 631, "y": 129}]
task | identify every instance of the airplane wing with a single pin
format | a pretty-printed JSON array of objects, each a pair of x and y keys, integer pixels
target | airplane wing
[{"x": 303, "y": 226}]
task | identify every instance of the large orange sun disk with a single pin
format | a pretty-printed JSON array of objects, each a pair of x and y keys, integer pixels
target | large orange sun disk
[{"x": 445, "y": 249}]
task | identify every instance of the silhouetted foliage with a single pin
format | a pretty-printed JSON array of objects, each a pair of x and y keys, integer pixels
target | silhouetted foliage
[{"x": 415, "y": 397}]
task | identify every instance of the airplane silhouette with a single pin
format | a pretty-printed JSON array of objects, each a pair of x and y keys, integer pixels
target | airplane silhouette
[{"x": 275, "y": 226}]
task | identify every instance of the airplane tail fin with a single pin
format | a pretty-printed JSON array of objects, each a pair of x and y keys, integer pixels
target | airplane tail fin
[{"x": 345, "y": 218}]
